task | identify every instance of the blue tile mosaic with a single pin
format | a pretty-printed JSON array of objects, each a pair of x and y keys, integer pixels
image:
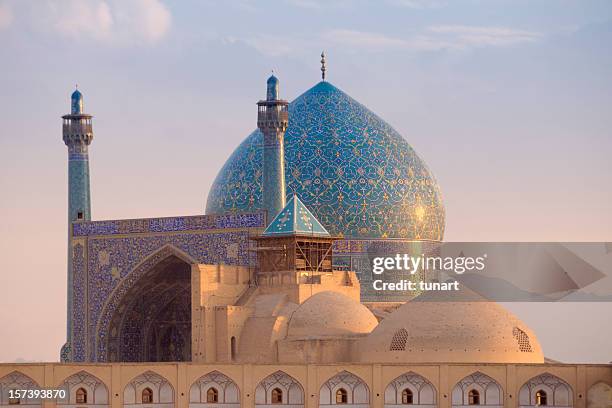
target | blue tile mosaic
[
  {"x": 356, "y": 174},
  {"x": 168, "y": 224},
  {"x": 110, "y": 256}
]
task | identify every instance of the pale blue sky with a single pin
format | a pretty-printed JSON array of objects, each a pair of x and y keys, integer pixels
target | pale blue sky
[{"x": 507, "y": 101}]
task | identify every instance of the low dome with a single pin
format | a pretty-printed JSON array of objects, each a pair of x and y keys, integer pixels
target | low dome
[
  {"x": 357, "y": 175},
  {"x": 452, "y": 332},
  {"x": 330, "y": 314}
]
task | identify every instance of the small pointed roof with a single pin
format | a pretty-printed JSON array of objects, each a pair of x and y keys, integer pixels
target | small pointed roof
[
  {"x": 76, "y": 102},
  {"x": 295, "y": 219},
  {"x": 273, "y": 79},
  {"x": 272, "y": 94}
]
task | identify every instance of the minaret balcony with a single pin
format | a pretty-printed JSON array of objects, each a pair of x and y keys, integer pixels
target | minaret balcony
[
  {"x": 78, "y": 135},
  {"x": 77, "y": 128},
  {"x": 272, "y": 118}
]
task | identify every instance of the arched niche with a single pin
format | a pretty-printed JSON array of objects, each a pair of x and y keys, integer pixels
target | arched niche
[
  {"x": 149, "y": 388},
  {"x": 83, "y": 389},
  {"x": 214, "y": 385},
  {"x": 279, "y": 390},
  {"x": 599, "y": 396},
  {"x": 410, "y": 389},
  {"x": 477, "y": 389},
  {"x": 17, "y": 381},
  {"x": 558, "y": 392},
  {"x": 148, "y": 317},
  {"x": 345, "y": 385}
]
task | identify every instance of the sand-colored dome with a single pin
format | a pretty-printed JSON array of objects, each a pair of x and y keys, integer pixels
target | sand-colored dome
[
  {"x": 330, "y": 314},
  {"x": 470, "y": 332}
]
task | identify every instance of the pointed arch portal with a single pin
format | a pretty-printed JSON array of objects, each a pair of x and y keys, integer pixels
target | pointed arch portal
[{"x": 152, "y": 321}]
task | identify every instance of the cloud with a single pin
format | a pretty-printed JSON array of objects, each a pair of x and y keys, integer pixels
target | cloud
[
  {"x": 417, "y": 4},
  {"x": 275, "y": 46},
  {"x": 369, "y": 41},
  {"x": 432, "y": 38},
  {"x": 449, "y": 37},
  {"x": 362, "y": 39},
  {"x": 272, "y": 45},
  {"x": 320, "y": 4},
  {"x": 114, "y": 22},
  {"x": 466, "y": 36},
  {"x": 6, "y": 16},
  {"x": 307, "y": 4}
]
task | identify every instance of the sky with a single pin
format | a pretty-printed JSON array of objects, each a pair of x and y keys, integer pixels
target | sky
[{"x": 508, "y": 102}]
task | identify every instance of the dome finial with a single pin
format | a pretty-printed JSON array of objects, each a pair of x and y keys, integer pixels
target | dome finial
[{"x": 323, "y": 67}]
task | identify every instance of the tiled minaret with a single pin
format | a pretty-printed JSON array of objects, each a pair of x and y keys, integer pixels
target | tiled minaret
[
  {"x": 272, "y": 120},
  {"x": 77, "y": 134}
]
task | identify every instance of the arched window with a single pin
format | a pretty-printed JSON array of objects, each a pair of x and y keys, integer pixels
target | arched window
[
  {"x": 212, "y": 395},
  {"x": 233, "y": 347},
  {"x": 81, "y": 396},
  {"x": 407, "y": 397},
  {"x": 341, "y": 396},
  {"x": 522, "y": 339},
  {"x": 541, "y": 398},
  {"x": 277, "y": 396},
  {"x": 147, "y": 396},
  {"x": 474, "y": 397},
  {"x": 398, "y": 342}
]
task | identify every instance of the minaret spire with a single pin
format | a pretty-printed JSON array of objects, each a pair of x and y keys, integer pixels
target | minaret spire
[
  {"x": 272, "y": 120},
  {"x": 323, "y": 66},
  {"x": 77, "y": 135}
]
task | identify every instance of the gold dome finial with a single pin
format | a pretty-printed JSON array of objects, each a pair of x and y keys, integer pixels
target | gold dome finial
[{"x": 323, "y": 67}]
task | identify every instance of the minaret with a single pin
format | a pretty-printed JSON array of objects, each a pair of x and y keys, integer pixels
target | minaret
[
  {"x": 272, "y": 120},
  {"x": 77, "y": 135}
]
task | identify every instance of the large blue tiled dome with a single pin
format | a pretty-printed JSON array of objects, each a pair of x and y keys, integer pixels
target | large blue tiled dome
[{"x": 358, "y": 176}]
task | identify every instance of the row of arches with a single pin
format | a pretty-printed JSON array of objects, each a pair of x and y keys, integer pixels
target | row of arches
[{"x": 283, "y": 391}]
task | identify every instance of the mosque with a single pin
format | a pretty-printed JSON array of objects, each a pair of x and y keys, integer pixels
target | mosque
[{"x": 266, "y": 299}]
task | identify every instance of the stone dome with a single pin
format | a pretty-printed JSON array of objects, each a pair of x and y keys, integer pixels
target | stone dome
[
  {"x": 330, "y": 314},
  {"x": 356, "y": 174},
  {"x": 453, "y": 332}
]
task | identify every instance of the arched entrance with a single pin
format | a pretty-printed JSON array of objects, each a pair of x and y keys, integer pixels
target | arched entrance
[
  {"x": 17, "y": 381},
  {"x": 477, "y": 389},
  {"x": 214, "y": 389},
  {"x": 347, "y": 389},
  {"x": 149, "y": 389},
  {"x": 81, "y": 389},
  {"x": 599, "y": 396},
  {"x": 410, "y": 389},
  {"x": 546, "y": 390},
  {"x": 152, "y": 321},
  {"x": 279, "y": 390}
]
